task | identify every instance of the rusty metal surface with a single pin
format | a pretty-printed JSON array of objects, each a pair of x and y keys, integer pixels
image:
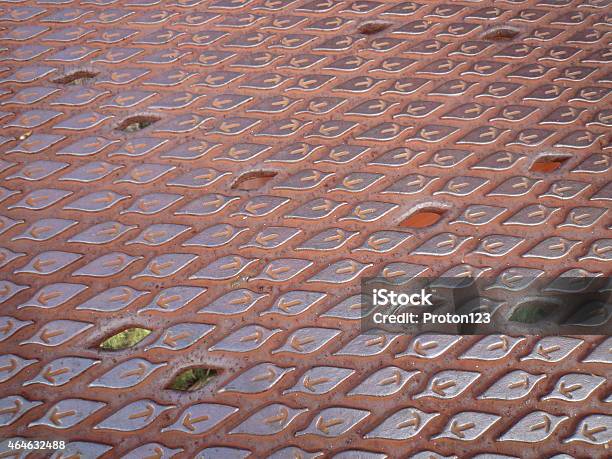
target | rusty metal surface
[{"x": 291, "y": 140}]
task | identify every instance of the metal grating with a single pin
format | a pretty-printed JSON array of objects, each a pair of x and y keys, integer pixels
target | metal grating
[{"x": 224, "y": 172}]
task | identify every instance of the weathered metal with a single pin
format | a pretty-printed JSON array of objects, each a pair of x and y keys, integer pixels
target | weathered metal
[{"x": 224, "y": 172}]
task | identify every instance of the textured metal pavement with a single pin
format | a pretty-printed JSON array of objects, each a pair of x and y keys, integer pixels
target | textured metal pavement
[{"x": 295, "y": 146}]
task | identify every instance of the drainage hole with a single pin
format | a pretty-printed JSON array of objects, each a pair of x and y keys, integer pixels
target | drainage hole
[
  {"x": 124, "y": 339},
  {"x": 422, "y": 218},
  {"x": 372, "y": 27},
  {"x": 531, "y": 313},
  {"x": 137, "y": 123},
  {"x": 548, "y": 164},
  {"x": 78, "y": 77},
  {"x": 253, "y": 180},
  {"x": 193, "y": 379},
  {"x": 500, "y": 34}
]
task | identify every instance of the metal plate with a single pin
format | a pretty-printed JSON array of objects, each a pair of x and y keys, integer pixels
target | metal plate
[{"x": 224, "y": 172}]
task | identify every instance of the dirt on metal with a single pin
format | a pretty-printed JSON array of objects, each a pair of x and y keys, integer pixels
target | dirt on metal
[{"x": 224, "y": 172}]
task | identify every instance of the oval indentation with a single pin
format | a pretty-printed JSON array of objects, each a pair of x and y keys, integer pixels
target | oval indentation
[
  {"x": 125, "y": 339},
  {"x": 501, "y": 33},
  {"x": 137, "y": 123},
  {"x": 193, "y": 379},
  {"x": 253, "y": 180},
  {"x": 78, "y": 77},
  {"x": 422, "y": 218}
]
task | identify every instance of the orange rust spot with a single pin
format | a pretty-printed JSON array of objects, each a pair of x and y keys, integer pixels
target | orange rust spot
[
  {"x": 547, "y": 164},
  {"x": 422, "y": 218}
]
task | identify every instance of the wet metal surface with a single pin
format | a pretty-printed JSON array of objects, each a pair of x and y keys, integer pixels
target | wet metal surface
[{"x": 223, "y": 173}]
